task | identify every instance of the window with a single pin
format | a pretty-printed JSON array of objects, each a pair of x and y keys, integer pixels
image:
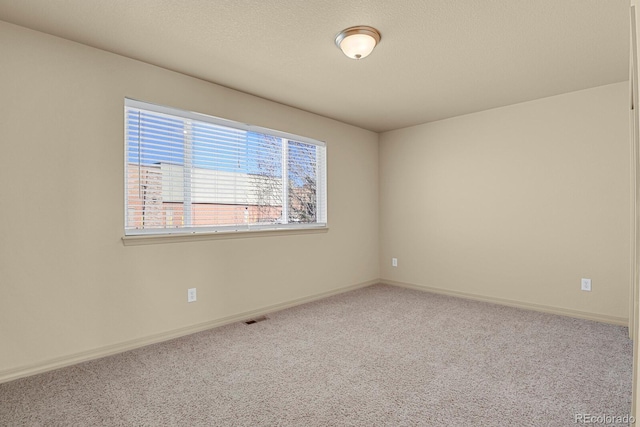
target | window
[{"x": 187, "y": 172}]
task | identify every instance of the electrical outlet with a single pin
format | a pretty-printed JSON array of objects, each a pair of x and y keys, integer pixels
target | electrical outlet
[
  {"x": 394, "y": 262},
  {"x": 191, "y": 295},
  {"x": 586, "y": 285}
]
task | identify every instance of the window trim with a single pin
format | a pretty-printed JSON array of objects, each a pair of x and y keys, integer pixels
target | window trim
[
  {"x": 151, "y": 239},
  {"x": 142, "y": 236}
]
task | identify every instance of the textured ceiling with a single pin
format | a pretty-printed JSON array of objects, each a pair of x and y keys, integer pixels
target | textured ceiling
[{"x": 436, "y": 59}]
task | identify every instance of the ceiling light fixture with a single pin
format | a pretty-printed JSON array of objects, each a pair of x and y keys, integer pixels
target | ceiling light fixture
[{"x": 358, "y": 42}]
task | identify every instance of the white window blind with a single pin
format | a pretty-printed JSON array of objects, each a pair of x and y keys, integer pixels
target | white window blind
[{"x": 187, "y": 172}]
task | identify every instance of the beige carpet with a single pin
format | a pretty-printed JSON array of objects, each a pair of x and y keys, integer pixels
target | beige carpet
[{"x": 377, "y": 356}]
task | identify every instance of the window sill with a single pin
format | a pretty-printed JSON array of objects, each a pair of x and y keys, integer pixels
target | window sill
[{"x": 197, "y": 237}]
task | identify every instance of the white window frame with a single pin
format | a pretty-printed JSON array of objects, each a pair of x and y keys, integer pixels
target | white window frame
[{"x": 188, "y": 116}]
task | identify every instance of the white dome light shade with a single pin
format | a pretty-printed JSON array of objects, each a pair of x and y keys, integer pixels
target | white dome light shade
[
  {"x": 358, "y": 46},
  {"x": 358, "y": 42}
]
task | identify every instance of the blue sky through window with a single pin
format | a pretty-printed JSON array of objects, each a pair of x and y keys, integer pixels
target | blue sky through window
[
  {"x": 302, "y": 163},
  {"x": 156, "y": 138}
]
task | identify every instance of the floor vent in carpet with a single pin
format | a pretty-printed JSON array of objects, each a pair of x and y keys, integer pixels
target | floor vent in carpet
[{"x": 256, "y": 320}]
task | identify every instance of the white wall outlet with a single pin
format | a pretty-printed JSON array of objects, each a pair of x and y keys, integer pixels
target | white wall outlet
[
  {"x": 394, "y": 262},
  {"x": 586, "y": 285},
  {"x": 191, "y": 295}
]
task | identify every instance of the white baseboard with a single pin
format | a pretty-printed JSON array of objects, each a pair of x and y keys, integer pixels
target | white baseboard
[
  {"x": 621, "y": 321},
  {"x": 72, "y": 359}
]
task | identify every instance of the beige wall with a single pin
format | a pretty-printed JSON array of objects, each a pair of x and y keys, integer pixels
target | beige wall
[
  {"x": 517, "y": 203},
  {"x": 68, "y": 284}
]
